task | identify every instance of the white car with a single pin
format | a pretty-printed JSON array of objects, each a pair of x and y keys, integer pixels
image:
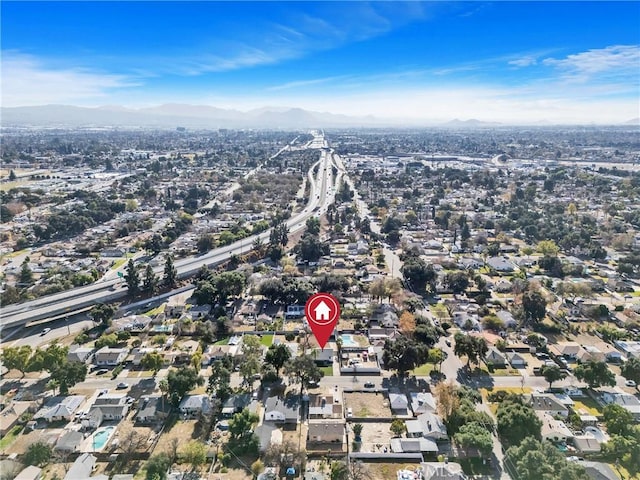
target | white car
[
  {"x": 45, "y": 331},
  {"x": 630, "y": 383}
]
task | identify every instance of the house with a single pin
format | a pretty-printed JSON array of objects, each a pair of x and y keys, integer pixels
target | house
[
  {"x": 235, "y": 404},
  {"x": 599, "y": 471},
  {"x": 495, "y": 357},
  {"x": 427, "y": 425},
  {"x": 586, "y": 444},
  {"x": 112, "y": 252},
  {"x": 294, "y": 311},
  {"x": 516, "y": 360},
  {"x": 108, "y": 356},
  {"x": 442, "y": 471},
  {"x": 30, "y": 473},
  {"x": 324, "y": 406},
  {"x": 422, "y": 402},
  {"x": 503, "y": 286},
  {"x": 568, "y": 350},
  {"x": 78, "y": 353},
  {"x": 195, "y": 405},
  {"x": 112, "y": 406},
  {"x": 588, "y": 353},
  {"x": 552, "y": 429},
  {"x": 152, "y": 410},
  {"x": 11, "y": 414},
  {"x": 60, "y": 408},
  {"x": 545, "y": 402},
  {"x": 93, "y": 419},
  {"x": 81, "y": 468},
  {"x": 69, "y": 441},
  {"x": 414, "y": 445},
  {"x": 323, "y": 432},
  {"x": 398, "y": 403},
  {"x": 281, "y": 410},
  {"x": 625, "y": 400},
  {"x": 323, "y": 358},
  {"x": 507, "y": 318},
  {"x": 500, "y": 264}
]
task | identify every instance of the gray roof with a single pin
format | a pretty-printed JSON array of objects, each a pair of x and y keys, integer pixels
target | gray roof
[
  {"x": 398, "y": 401},
  {"x": 69, "y": 441},
  {"x": 81, "y": 468},
  {"x": 196, "y": 402},
  {"x": 288, "y": 406}
]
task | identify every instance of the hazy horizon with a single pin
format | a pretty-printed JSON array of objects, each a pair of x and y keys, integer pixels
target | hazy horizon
[{"x": 506, "y": 62}]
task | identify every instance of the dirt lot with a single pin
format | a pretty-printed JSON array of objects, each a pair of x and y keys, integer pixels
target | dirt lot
[
  {"x": 365, "y": 404},
  {"x": 182, "y": 431},
  {"x": 386, "y": 471},
  {"x": 374, "y": 434}
]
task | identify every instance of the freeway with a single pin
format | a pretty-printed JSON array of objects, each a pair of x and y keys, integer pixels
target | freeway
[{"x": 322, "y": 192}]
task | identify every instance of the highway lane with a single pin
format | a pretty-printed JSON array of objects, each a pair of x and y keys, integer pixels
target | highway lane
[{"x": 72, "y": 300}]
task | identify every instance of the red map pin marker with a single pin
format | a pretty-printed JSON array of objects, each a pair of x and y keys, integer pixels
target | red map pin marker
[{"x": 322, "y": 311}]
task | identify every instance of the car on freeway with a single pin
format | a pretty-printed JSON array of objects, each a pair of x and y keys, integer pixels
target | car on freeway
[
  {"x": 45, "y": 331},
  {"x": 630, "y": 383},
  {"x": 122, "y": 386}
]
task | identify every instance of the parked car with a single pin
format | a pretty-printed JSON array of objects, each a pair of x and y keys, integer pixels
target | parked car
[
  {"x": 122, "y": 386},
  {"x": 349, "y": 412},
  {"x": 630, "y": 383},
  {"x": 102, "y": 371},
  {"x": 45, "y": 331},
  {"x": 369, "y": 385}
]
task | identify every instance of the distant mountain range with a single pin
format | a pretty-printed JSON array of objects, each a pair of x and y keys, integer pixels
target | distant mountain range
[{"x": 174, "y": 115}]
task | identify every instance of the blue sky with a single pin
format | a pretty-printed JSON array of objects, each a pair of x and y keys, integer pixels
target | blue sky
[{"x": 502, "y": 61}]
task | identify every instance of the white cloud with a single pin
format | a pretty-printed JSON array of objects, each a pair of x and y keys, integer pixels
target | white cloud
[
  {"x": 525, "y": 61},
  {"x": 25, "y": 81},
  {"x": 614, "y": 61},
  {"x": 307, "y": 83}
]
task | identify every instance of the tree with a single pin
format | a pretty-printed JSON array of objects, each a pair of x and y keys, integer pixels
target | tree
[
  {"x": 631, "y": 369},
  {"x": 398, "y": 427},
  {"x": 67, "y": 374},
  {"x": 493, "y": 323},
  {"x": 548, "y": 248},
  {"x": 150, "y": 282},
  {"x": 257, "y": 468},
  {"x": 357, "y": 431},
  {"x": 205, "y": 243},
  {"x": 517, "y": 421},
  {"x": 404, "y": 354},
  {"x": 242, "y": 439},
  {"x": 304, "y": 371},
  {"x": 407, "y": 323},
  {"x": 194, "y": 453},
  {"x": 278, "y": 355},
  {"x": 535, "y": 460},
  {"x": 12, "y": 176},
  {"x": 102, "y": 313},
  {"x": 152, "y": 361},
  {"x": 437, "y": 356},
  {"x": 339, "y": 471},
  {"x": 418, "y": 274},
  {"x": 220, "y": 380},
  {"x": 475, "y": 435},
  {"x": 619, "y": 420},
  {"x": 180, "y": 381},
  {"x": 457, "y": 281},
  {"x": 595, "y": 374},
  {"x": 170, "y": 272},
  {"x": 474, "y": 348},
  {"x": 157, "y": 467},
  {"x": 534, "y": 306},
  {"x": 16, "y": 358},
  {"x": 26, "y": 275},
  {"x": 132, "y": 278},
  {"x": 38, "y": 454},
  {"x": 252, "y": 356},
  {"x": 448, "y": 399},
  {"x": 154, "y": 244},
  {"x": 552, "y": 373}
]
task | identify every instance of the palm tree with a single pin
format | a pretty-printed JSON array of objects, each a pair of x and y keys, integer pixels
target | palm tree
[{"x": 164, "y": 388}]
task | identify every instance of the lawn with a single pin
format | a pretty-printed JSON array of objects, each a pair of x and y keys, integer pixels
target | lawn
[
  {"x": 118, "y": 263},
  {"x": 10, "y": 437},
  {"x": 424, "y": 370},
  {"x": 588, "y": 405},
  {"x": 224, "y": 341},
  {"x": 328, "y": 371},
  {"x": 266, "y": 340},
  {"x": 155, "y": 311}
]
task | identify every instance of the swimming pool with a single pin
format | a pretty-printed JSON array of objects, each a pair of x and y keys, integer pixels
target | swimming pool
[
  {"x": 100, "y": 437},
  {"x": 348, "y": 340}
]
